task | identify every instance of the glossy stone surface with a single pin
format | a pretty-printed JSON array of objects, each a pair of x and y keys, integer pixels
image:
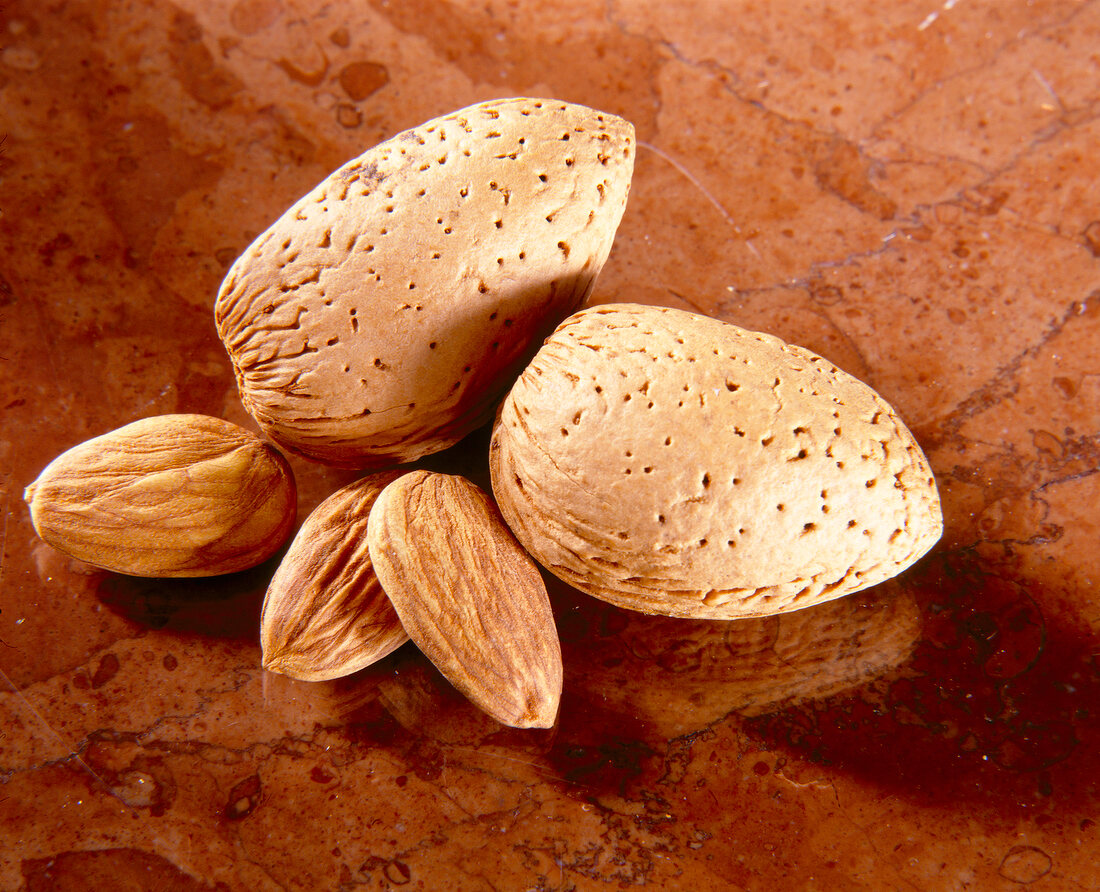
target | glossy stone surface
[{"x": 910, "y": 189}]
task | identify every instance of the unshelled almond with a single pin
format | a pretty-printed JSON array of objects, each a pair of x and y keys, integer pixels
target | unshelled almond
[
  {"x": 384, "y": 314},
  {"x": 676, "y": 464},
  {"x": 325, "y": 614},
  {"x": 468, "y": 595},
  {"x": 171, "y": 495}
]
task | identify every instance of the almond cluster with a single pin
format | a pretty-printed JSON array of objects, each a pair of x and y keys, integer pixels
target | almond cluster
[{"x": 659, "y": 460}]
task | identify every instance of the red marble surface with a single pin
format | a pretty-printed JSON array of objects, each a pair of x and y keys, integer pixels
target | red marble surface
[{"x": 911, "y": 189}]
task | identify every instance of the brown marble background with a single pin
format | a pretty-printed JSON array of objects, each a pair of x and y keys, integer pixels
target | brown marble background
[{"x": 910, "y": 188}]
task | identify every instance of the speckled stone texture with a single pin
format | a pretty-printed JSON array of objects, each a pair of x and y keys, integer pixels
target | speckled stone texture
[{"x": 910, "y": 189}]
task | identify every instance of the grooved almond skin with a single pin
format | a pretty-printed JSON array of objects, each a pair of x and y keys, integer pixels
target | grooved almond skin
[
  {"x": 172, "y": 495},
  {"x": 325, "y": 614},
  {"x": 468, "y": 595},
  {"x": 383, "y": 316},
  {"x": 676, "y": 464}
]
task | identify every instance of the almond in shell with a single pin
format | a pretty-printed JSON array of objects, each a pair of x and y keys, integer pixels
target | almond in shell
[
  {"x": 676, "y": 464},
  {"x": 382, "y": 317}
]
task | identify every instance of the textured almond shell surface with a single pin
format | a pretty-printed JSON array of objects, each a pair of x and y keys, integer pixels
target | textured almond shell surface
[
  {"x": 676, "y": 464},
  {"x": 171, "y": 495},
  {"x": 468, "y": 595},
  {"x": 383, "y": 316},
  {"x": 325, "y": 614}
]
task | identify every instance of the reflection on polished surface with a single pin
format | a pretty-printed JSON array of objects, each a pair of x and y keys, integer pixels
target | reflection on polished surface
[
  {"x": 908, "y": 189},
  {"x": 639, "y": 665},
  {"x": 994, "y": 703}
]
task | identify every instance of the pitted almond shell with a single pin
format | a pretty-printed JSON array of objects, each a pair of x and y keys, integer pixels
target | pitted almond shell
[
  {"x": 382, "y": 317},
  {"x": 676, "y": 464}
]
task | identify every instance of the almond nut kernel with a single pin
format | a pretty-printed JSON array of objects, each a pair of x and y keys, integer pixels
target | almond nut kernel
[
  {"x": 468, "y": 595},
  {"x": 325, "y": 614},
  {"x": 171, "y": 495}
]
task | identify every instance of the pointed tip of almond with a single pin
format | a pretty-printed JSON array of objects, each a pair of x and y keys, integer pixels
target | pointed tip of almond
[
  {"x": 280, "y": 661},
  {"x": 546, "y": 718},
  {"x": 288, "y": 669},
  {"x": 535, "y": 709},
  {"x": 273, "y": 664}
]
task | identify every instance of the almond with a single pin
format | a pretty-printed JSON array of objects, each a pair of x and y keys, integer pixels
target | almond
[
  {"x": 325, "y": 614},
  {"x": 468, "y": 595},
  {"x": 676, "y": 464},
  {"x": 172, "y": 495},
  {"x": 382, "y": 317}
]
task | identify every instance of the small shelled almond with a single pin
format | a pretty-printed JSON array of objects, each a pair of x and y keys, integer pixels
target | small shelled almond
[
  {"x": 468, "y": 595},
  {"x": 171, "y": 495},
  {"x": 325, "y": 614}
]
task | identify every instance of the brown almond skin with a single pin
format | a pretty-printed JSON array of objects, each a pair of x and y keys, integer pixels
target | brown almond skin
[
  {"x": 468, "y": 595},
  {"x": 325, "y": 614},
  {"x": 167, "y": 496},
  {"x": 384, "y": 315},
  {"x": 675, "y": 464}
]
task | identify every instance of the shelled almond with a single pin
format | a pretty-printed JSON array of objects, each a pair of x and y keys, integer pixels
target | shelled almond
[
  {"x": 469, "y": 596},
  {"x": 171, "y": 495}
]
